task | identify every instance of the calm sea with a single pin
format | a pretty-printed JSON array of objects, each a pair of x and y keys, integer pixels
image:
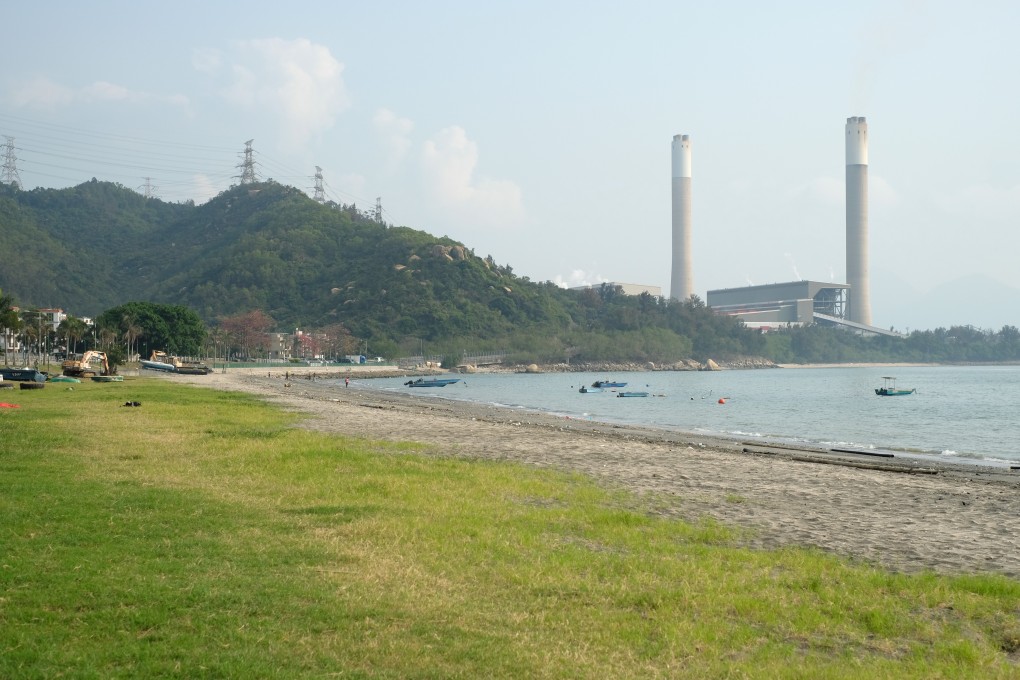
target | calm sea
[{"x": 970, "y": 413}]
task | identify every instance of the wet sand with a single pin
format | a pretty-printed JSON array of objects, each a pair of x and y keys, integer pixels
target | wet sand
[{"x": 903, "y": 514}]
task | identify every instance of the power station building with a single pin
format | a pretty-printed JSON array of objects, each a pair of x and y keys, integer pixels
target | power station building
[
  {"x": 798, "y": 302},
  {"x": 782, "y": 304}
]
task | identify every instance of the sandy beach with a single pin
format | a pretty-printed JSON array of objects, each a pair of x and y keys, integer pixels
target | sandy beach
[{"x": 902, "y": 514}]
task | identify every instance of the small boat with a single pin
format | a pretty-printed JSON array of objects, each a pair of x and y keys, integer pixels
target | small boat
[
  {"x": 608, "y": 383},
  {"x": 432, "y": 382},
  {"x": 64, "y": 378},
  {"x": 632, "y": 394},
  {"x": 160, "y": 361},
  {"x": 889, "y": 389},
  {"x": 22, "y": 375},
  {"x": 589, "y": 390},
  {"x": 193, "y": 368}
]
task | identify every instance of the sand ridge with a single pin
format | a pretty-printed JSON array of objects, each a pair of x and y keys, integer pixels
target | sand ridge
[{"x": 900, "y": 514}]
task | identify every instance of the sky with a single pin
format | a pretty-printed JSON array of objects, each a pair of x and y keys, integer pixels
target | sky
[{"x": 539, "y": 132}]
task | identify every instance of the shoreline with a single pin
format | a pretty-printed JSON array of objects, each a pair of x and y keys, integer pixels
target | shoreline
[{"x": 903, "y": 513}]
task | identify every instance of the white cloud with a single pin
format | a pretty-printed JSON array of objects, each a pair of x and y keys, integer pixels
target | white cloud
[
  {"x": 298, "y": 81},
  {"x": 825, "y": 190},
  {"x": 206, "y": 59},
  {"x": 203, "y": 188},
  {"x": 395, "y": 134},
  {"x": 579, "y": 277},
  {"x": 449, "y": 161},
  {"x": 880, "y": 192},
  {"x": 104, "y": 90},
  {"x": 44, "y": 93}
]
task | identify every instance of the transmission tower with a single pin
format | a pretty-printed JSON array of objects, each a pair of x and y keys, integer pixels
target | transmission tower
[
  {"x": 9, "y": 174},
  {"x": 148, "y": 189},
  {"x": 248, "y": 165},
  {"x": 378, "y": 209},
  {"x": 320, "y": 193}
]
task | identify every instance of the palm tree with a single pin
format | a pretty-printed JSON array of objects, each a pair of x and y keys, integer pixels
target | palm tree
[
  {"x": 72, "y": 329},
  {"x": 10, "y": 322},
  {"x": 29, "y": 337},
  {"x": 132, "y": 331}
]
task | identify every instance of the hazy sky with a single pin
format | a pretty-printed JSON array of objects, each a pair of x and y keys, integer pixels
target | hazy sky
[{"x": 539, "y": 132}]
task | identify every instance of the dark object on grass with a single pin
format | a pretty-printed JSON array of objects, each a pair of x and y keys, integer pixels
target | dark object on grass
[
  {"x": 32, "y": 385},
  {"x": 132, "y": 403}
]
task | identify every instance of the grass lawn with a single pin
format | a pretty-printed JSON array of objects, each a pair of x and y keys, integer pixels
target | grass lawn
[{"x": 203, "y": 535}]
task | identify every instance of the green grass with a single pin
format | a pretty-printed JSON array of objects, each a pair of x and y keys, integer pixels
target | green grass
[{"x": 203, "y": 535}]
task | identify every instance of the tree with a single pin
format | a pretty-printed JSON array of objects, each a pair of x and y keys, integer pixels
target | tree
[
  {"x": 248, "y": 332},
  {"x": 131, "y": 331},
  {"x": 71, "y": 330},
  {"x": 174, "y": 329},
  {"x": 10, "y": 322}
]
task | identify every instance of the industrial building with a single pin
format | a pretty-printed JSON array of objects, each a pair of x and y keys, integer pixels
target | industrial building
[
  {"x": 782, "y": 304},
  {"x": 798, "y": 302}
]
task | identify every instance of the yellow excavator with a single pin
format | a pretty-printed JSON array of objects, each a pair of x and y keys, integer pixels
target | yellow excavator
[{"x": 83, "y": 368}]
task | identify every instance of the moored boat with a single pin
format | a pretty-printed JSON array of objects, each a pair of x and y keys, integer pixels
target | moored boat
[
  {"x": 22, "y": 375},
  {"x": 589, "y": 390},
  {"x": 432, "y": 382},
  {"x": 632, "y": 394},
  {"x": 193, "y": 368},
  {"x": 160, "y": 361},
  {"x": 608, "y": 383},
  {"x": 889, "y": 389}
]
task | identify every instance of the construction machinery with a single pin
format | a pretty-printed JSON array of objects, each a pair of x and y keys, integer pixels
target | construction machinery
[{"x": 84, "y": 367}]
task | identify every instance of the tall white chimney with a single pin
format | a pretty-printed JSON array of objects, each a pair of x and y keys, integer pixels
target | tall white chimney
[
  {"x": 682, "y": 280},
  {"x": 857, "y": 274}
]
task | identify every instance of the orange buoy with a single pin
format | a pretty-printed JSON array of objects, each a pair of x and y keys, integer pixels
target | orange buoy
[{"x": 722, "y": 401}]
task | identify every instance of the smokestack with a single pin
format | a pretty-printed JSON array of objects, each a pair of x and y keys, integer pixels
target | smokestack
[
  {"x": 682, "y": 280},
  {"x": 857, "y": 220}
]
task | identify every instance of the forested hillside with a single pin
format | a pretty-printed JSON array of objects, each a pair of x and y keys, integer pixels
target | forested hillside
[
  {"x": 270, "y": 249},
  {"x": 307, "y": 265}
]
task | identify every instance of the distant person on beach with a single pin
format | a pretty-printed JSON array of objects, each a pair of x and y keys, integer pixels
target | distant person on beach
[{"x": 347, "y": 382}]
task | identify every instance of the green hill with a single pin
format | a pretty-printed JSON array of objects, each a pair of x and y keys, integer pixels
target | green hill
[{"x": 270, "y": 247}]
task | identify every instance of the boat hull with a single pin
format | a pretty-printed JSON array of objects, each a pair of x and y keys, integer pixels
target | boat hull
[
  {"x": 22, "y": 375},
  {"x": 438, "y": 382},
  {"x": 158, "y": 366},
  {"x": 194, "y": 370},
  {"x": 632, "y": 394},
  {"x": 885, "y": 392}
]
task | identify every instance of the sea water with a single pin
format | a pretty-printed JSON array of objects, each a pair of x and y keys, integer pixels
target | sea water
[{"x": 958, "y": 412}]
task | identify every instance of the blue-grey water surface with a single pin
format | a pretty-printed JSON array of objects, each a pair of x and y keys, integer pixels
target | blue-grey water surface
[{"x": 963, "y": 412}]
